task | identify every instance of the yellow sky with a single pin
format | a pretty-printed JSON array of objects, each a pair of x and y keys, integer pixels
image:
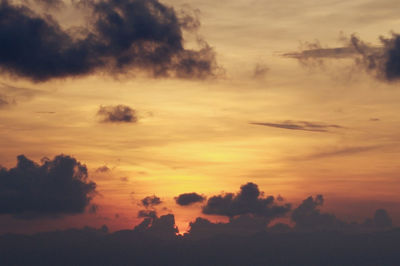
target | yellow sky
[{"x": 195, "y": 135}]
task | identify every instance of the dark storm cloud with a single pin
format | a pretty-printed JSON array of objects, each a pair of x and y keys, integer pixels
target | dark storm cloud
[
  {"x": 123, "y": 36},
  {"x": 117, "y": 114},
  {"x": 54, "y": 187},
  {"x": 298, "y": 125},
  {"x": 189, "y": 198},
  {"x": 382, "y": 61},
  {"x": 249, "y": 200},
  {"x": 151, "y": 201}
]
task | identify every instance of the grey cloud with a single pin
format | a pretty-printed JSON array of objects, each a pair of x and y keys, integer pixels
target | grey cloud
[
  {"x": 189, "y": 198},
  {"x": 52, "y": 188},
  {"x": 121, "y": 36},
  {"x": 117, "y": 114},
  {"x": 249, "y": 200},
  {"x": 381, "y": 61},
  {"x": 299, "y": 125},
  {"x": 151, "y": 201}
]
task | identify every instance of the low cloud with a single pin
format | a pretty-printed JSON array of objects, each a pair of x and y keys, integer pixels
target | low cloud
[
  {"x": 52, "y": 188},
  {"x": 189, "y": 198},
  {"x": 117, "y": 114},
  {"x": 299, "y": 125},
  {"x": 249, "y": 200}
]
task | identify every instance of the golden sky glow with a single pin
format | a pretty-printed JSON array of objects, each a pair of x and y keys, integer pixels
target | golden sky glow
[{"x": 200, "y": 135}]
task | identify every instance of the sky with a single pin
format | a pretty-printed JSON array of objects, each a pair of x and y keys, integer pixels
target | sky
[{"x": 141, "y": 98}]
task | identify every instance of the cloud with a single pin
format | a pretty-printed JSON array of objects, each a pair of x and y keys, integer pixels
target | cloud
[
  {"x": 382, "y": 61},
  {"x": 117, "y": 114},
  {"x": 243, "y": 225},
  {"x": 249, "y": 200},
  {"x": 151, "y": 201},
  {"x": 260, "y": 71},
  {"x": 299, "y": 125},
  {"x": 307, "y": 216},
  {"x": 161, "y": 227},
  {"x": 11, "y": 95},
  {"x": 121, "y": 36},
  {"x": 341, "y": 152},
  {"x": 52, "y": 188},
  {"x": 189, "y": 198},
  {"x": 103, "y": 169},
  {"x": 4, "y": 101}
]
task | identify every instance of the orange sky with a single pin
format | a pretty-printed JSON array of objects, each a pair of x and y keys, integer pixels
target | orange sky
[{"x": 197, "y": 136}]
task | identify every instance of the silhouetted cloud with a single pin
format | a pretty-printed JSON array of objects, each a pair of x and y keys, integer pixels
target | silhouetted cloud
[
  {"x": 298, "y": 125},
  {"x": 122, "y": 36},
  {"x": 243, "y": 225},
  {"x": 382, "y": 61},
  {"x": 117, "y": 114},
  {"x": 54, "y": 187},
  {"x": 161, "y": 227},
  {"x": 248, "y": 201},
  {"x": 189, "y": 198},
  {"x": 307, "y": 216},
  {"x": 151, "y": 201}
]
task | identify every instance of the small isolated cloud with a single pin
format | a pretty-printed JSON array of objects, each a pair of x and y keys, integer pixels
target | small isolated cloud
[
  {"x": 117, "y": 114},
  {"x": 52, "y": 188},
  {"x": 103, "y": 169},
  {"x": 260, "y": 71},
  {"x": 249, "y": 200},
  {"x": 151, "y": 201},
  {"x": 382, "y": 61},
  {"x": 299, "y": 125},
  {"x": 189, "y": 198}
]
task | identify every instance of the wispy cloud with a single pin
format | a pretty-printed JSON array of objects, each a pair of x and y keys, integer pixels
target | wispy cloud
[{"x": 299, "y": 125}]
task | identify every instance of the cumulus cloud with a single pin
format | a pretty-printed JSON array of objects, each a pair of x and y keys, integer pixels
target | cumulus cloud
[
  {"x": 189, "y": 198},
  {"x": 299, "y": 125},
  {"x": 382, "y": 61},
  {"x": 308, "y": 216},
  {"x": 117, "y": 114},
  {"x": 122, "y": 36},
  {"x": 161, "y": 227},
  {"x": 151, "y": 201},
  {"x": 249, "y": 200},
  {"x": 52, "y": 188}
]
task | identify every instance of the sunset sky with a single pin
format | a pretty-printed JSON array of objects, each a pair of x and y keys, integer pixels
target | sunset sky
[{"x": 298, "y": 97}]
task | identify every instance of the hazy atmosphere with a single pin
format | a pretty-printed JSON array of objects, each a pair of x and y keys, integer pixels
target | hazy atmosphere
[{"x": 185, "y": 121}]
